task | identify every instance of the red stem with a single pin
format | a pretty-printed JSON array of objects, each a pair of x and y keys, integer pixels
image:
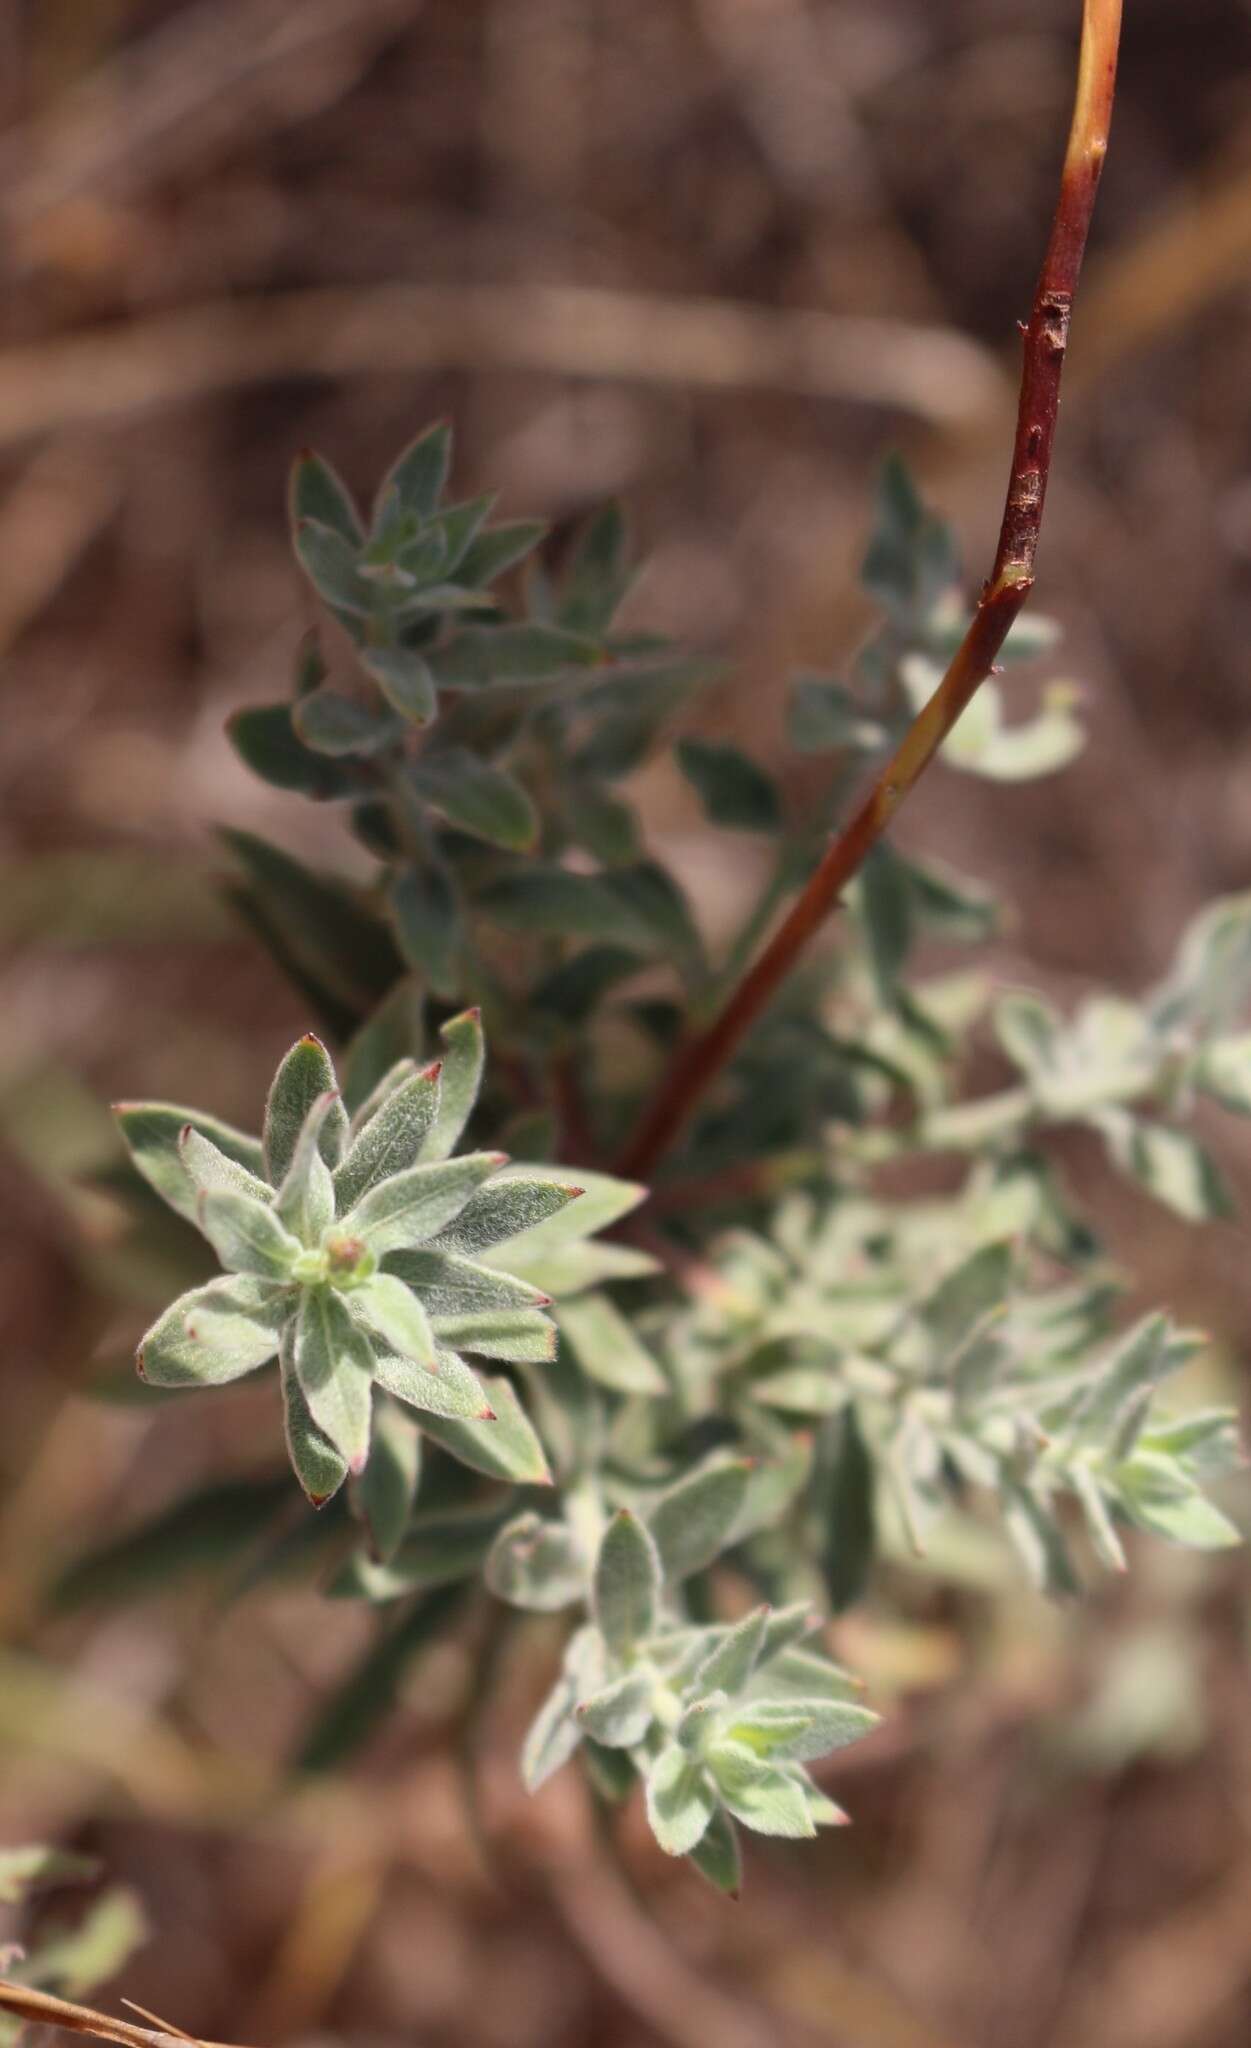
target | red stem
[{"x": 1046, "y": 337}]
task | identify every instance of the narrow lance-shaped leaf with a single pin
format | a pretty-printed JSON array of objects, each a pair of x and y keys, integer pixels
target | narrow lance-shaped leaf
[
  {"x": 320, "y": 1468},
  {"x": 305, "y": 1074},
  {"x": 304, "y": 1203},
  {"x": 335, "y": 1367},
  {"x": 215, "y": 1333},
  {"x": 247, "y": 1236},
  {"x": 411, "y": 1207},
  {"x": 317, "y": 492},
  {"x": 512, "y": 1203},
  {"x": 387, "y": 1487},
  {"x": 446, "y": 1391},
  {"x": 392, "y": 1139},
  {"x": 153, "y": 1133},
  {"x": 690, "y": 1523},
  {"x": 607, "y": 1347},
  {"x": 627, "y": 1584},
  {"x": 505, "y": 1447},
  {"x": 681, "y": 1800},
  {"x": 464, "y": 1057},
  {"x": 213, "y": 1171}
]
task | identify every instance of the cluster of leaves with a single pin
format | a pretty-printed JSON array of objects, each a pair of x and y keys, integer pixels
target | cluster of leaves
[{"x": 789, "y": 1370}]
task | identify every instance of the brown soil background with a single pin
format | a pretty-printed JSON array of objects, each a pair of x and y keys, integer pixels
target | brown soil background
[{"x": 1039, "y": 1858}]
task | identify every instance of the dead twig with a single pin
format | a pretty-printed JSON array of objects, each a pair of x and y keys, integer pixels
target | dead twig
[{"x": 40, "y": 2008}]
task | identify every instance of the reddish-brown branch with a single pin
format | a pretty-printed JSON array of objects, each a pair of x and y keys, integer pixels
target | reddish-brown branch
[{"x": 1046, "y": 338}]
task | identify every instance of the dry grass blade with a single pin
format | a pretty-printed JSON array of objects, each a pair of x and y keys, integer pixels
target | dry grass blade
[{"x": 40, "y": 2008}]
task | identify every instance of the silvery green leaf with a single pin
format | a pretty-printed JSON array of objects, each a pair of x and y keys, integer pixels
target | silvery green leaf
[
  {"x": 536, "y": 1564},
  {"x": 386, "y": 1085},
  {"x": 437, "y": 1549},
  {"x": 603, "y": 823},
  {"x": 824, "y": 717},
  {"x": 885, "y": 904},
  {"x": 1211, "y": 978},
  {"x": 215, "y": 1333},
  {"x": 1030, "y": 1031},
  {"x": 506, "y": 1448},
  {"x": 213, "y": 1171},
  {"x": 319, "y": 1467},
  {"x": 794, "y": 1673},
  {"x": 318, "y": 492},
  {"x": 1157, "y": 1493},
  {"x": 762, "y": 1797},
  {"x": 411, "y": 1207},
  {"x": 607, "y": 1348},
  {"x": 447, "y": 1389},
  {"x": 699, "y": 1722},
  {"x": 680, "y": 1800},
  {"x": 498, "y": 549},
  {"x": 460, "y": 526},
  {"x": 1115, "y": 1389},
  {"x": 428, "y": 926},
  {"x": 479, "y": 655},
  {"x": 305, "y": 1074},
  {"x": 564, "y": 1270},
  {"x": 153, "y": 1134},
  {"x": 335, "y": 1366},
  {"x": 1107, "y": 1544},
  {"x": 464, "y": 1056},
  {"x": 247, "y": 1236},
  {"x": 627, "y": 1584},
  {"x": 1206, "y": 1443},
  {"x": 549, "y": 1253},
  {"x": 33, "y": 1865},
  {"x": 786, "y": 1627},
  {"x": 716, "y": 1854},
  {"x": 734, "y": 791},
  {"x": 341, "y": 727},
  {"x": 330, "y": 561},
  {"x": 391, "y": 1139},
  {"x": 477, "y": 797},
  {"x": 1018, "y": 753},
  {"x": 304, "y": 1203},
  {"x": 383, "y": 1053},
  {"x": 690, "y": 1523},
  {"x": 398, "y": 1317},
  {"x": 553, "y": 1736},
  {"x": 965, "y": 1296},
  {"x": 404, "y": 679},
  {"x": 620, "y": 1714},
  {"x": 1038, "y": 1538},
  {"x": 1223, "y": 1070},
  {"x": 265, "y": 739},
  {"x": 417, "y": 477},
  {"x": 521, "y": 1336},
  {"x": 1170, "y": 1163},
  {"x": 387, "y": 1487},
  {"x": 514, "y": 1202},
  {"x": 798, "y": 1730},
  {"x": 452, "y": 1286},
  {"x": 732, "y": 1662},
  {"x": 611, "y": 1771},
  {"x": 598, "y": 575}
]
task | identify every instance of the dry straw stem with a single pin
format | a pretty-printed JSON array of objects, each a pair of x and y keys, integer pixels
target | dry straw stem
[
  {"x": 1046, "y": 337},
  {"x": 39, "y": 2008}
]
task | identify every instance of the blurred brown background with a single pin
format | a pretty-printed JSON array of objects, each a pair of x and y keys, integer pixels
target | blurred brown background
[{"x": 716, "y": 255}]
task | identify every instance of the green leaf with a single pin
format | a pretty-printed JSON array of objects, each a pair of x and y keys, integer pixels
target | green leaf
[
  {"x": 398, "y": 1317},
  {"x": 598, "y": 575},
  {"x": 477, "y": 797},
  {"x": 499, "y": 548},
  {"x": 731, "y": 1664},
  {"x": 215, "y": 1333},
  {"x": 680, "y": 1801},
  {"x": 1170, "y": 1164},
  {"x": 247, "y": 1236},
  {"x": 886, "y": 908},
  {"x": 266, "y": 741},
  {"x": 620, "y": 1714},
  {"x": 606, "y": 826},
  {"x": 206, "y": 1530},
  {"x": 1211, "y": 977},
  {"x": 602, "y": 1202},
  {"x": 825, "y": 718},
  {"x": 607, "y": 1348},
  {"x": 391, "y": 1140},
  {"x": 305, "y": 1075},
  {"x": 212, "y": 1171},
  {"x": 438, "y": 1550},
  {"x": 387, "y": 1487},
  {"x": 318, "y": 492},
  {"x": 800, "y": 1731},
  {"x": 446, "y": 1391},
  {"x": 410, "y": 1207},
  {"x": 304, "y": 1203},
  {"x": 553, "y": 1736},
  {"x": 516, "y": 1201},
  {"x": 427, "y": 925},
  {"x": 452, "y": 1286},
  {"x": 33, "y": 1865},
  {"x": 330, "y": 562},
  {"x": 767, "y": 1800},
  {"x": 332, "y": 724},
  {"x": 691, "y": 1521},
  {"x": 153, "y": 1134},
  {"x": 1038, "y": 1538},
  {"x": 325, "y": 930},
  {"x": 319, "y": 1467},
  {"x": 464, "y": 1057},
  {"x": 418, "y": 476},
  {"x": 843, "y": 1494},
  {"x": 977, "y": 1287},
  {"x": 523, "y": 1336},
  {"x": 1030, "y": 1032},
  {"x": 335, "y": 1366},
  {"x": 480, "y": 655},
  {"x": 733, "y": 790},
  {"x": 535, "y": 1564},
  {"x": 1158, "y": 1494},
  {"x": 404, "y": 678},
  {"x": 507, "y": 1448},
  {"x": 627, "y": 1584},
  {"x": 387, "y": 1044},
  {"x": 716, "y": 1855},
  {"x": 910, "y": 561},
  {"x": 1223, "y": 1070}
]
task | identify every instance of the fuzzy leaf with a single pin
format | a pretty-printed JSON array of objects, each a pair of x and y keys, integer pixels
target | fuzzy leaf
[
  {"x": 319, "y": 1467},
  {"x": 535, "y": 1564},
  {"x": 768, "y": 1801},
  {"x": 477, "y": 797},
  {"x": 318, "y": 492},
  {"x": 514, "y": 1202},
  {"x": 620, "y": 1714},
  {"x": 304, "y": 1203},
  {"x": 305, "y": 1075},
  {"x": 801, "y": 1730},
  {"x": 479, "y": 655},
  {"x": 339, "y": 726},
  {"x": 215, "y": 1333},
  {"x": 731, "y": 1664},
  {"x": 247, "y": 1236},
  {"x": 627, "y": 1584},
  {"x": 507, "y": 1448},
  {"x": 439, "y": 1549},
  {"x": 680, "y": 1801},
  {"x": 522, "y": 1336},
  {"x": 329, "y": 560},
  {"x": 409, "y": 1208},
  {"x": 464, "y": 1056},
  {"x": 607, "y": 1347},
  {"x": 446, "y": 1390},
  {"x": 733, "y": 790},
  {"x": 392, "y": 1139},
  {"x": 453, "y": 1286},
  {"x": 398, "y": 1317},
  {"x": 417, "y": 477},
  {"x": 387, "y": 1487},
  {"x": 427, "y": 925},
  {"x": 404, "y": 679},
  {"x": 265, "y": 738},
  {"x": 153, "y": 1132},
  {"x": 553, "y": 1736},
  {"x": 598, "y": 575},
  {"x": 1171, "y": 1164},
  {"x": 690, "y": 1523},
  {"x": 335, "y": 1366},
  {"x": 498, "y": 549},
  {"x": 213, "y": 1171},
  {"x": 716, "y": 1855}
]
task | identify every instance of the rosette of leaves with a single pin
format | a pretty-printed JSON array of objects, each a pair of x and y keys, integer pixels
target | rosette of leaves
[
  {"x": 935, "y": 1371},
  {"x": 366, "y": 1257},
  {"x": 718, "y": 1721}
]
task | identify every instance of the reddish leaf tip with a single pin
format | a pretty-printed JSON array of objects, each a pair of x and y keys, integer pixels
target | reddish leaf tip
[{"x": 486, "y": 1415}]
